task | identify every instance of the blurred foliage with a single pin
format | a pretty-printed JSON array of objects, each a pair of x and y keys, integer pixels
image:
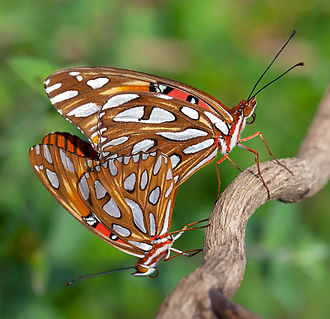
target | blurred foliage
[{"x": 219, "y": 46}]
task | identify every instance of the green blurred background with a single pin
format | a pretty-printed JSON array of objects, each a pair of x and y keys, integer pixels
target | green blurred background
[{"x": 218, "y": 46}]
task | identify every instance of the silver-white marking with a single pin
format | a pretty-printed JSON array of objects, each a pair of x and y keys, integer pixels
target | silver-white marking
[
  {"x": 185, "y": 135},
  {"x": 198, "y": 147},
  {"x": 164, "y": 96},
  {"x": 64, "y": 96},
  {"x": 154, "y": 195},
  {"x": 53, "y": 87},
  {"x": 120, "y": 230},
  {"x": 119, "y": 99},
  {"x": 97, "y": 83},
  {"x": 137, "y": 214},
  {"x": 143, "y": 246},
  {"x": 46, "y": 82},
  {"x": 126, "y": 159},
  {"x": 142, "y": 146},
  {"x": 116, "y": 141},
  {"x": 37, "y": 148},
  {"x": 169, "y": 190},
  {"x": 144, "y": 180},
  {"x": 200, "y": 164},
  {"x": 176, "y": 178},
  {"x": 219, "y": 124},
  {"x": 191, "y": 113},
  {"x": 67, "y": 163},
  {"x": 83, "y": 187},
  {"x": 152, "y": 222},
  {"x": 222, "y": 127},
  {"x": 136, "y": 158},
  {"x": 166, "y": 218},
  {"x": 112, "y": 209},
  {"x": 47, "y": 154},
  {"x": 145, "y": 156},
  {"x": 113, "y": 168},
  {"x": 129, "y": 182},
  {"x": 53, "y": 179},
  {"x": 169, "y": 174},
  {"x": 74, "y": 73},
  {"x": 158, "y": 165},
  {"x": 84, "y": 110},
  {"x": 79, "y": 78},
  {"x": 175, "y": 160},
  {"x": 99, "y": 189}
]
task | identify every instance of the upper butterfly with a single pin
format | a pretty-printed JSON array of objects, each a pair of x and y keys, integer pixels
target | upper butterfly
[{"x": 127, "y": 112}]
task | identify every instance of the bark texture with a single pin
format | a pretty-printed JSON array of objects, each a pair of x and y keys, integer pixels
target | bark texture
[{"x": 206, "y": 292}]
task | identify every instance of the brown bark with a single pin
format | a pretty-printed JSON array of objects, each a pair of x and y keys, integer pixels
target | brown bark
[{"x": 206, "y": 292}]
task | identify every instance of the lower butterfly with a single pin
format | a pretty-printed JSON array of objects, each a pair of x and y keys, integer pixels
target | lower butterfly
[{"x": 127, "y": 201}]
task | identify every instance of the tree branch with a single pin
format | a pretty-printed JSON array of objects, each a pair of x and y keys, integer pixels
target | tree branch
[{"x": 224, "y": 246}]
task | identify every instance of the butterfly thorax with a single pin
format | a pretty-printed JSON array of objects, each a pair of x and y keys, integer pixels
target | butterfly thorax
[
  {"x": 240, "y": 113},
  {"x": 161, "y": 249}
]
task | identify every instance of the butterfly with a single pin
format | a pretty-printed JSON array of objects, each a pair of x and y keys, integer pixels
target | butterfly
[
  {"x": 127, "y": 201},
  {"x": 127, "y": 112}
]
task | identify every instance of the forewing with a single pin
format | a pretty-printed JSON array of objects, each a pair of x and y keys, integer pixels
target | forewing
[
  {"x": 59, "y": 170},
  {"x": 79, "y": 93},
  {"x": 132, "y": 195}
]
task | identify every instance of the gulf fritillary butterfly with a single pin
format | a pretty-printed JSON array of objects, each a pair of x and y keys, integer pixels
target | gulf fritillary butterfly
[
  {"x": 126, "y": 112},
  {"x": 127, "y": 201}
]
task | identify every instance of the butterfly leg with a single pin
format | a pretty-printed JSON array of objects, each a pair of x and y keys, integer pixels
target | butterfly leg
[
  {"x": 188, "y": 253},
  {"x": 218, "y": 173},
  {"x": 188, "y": 227},
  {"x": 267, "y": 147},
  {"x": 258, "y": 167}
]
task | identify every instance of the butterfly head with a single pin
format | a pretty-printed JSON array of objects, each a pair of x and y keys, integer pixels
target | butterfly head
[{"x": 247, "y": 107}]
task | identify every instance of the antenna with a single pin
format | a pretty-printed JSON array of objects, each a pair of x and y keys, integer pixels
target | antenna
[
  {"x": 294, "y": 66},
  {"x": 70, "y": 282},
  {"x": 271, "y": 63}
]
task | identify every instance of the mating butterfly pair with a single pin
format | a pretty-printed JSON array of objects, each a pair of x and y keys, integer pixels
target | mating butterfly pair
[{"x": 148, "y": 135}]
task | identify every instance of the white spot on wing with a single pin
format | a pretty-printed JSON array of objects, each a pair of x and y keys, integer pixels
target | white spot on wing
[
  {"x": 116, "y": 141},
  {"x": 152, "y": 222},
  {"x": 143, "y": 246},
  {"x": 157, "y": 165},
  {"x": 47, "y": 154},
  {"x": 120, "y": 230},
  {"x": 97, "y": 83},
  {"x": 112, "y": 209},
  {"x": 129, "y": 183},
  {"x": 144, "y": 180},
  {"x": 190, "y": 112},
  {"x": 132, "y": 114},
  {"x": 169, "y": 175},
  {"x": 64, "y": 96},
  {"x": 37, "y": 148},
  {"x": 142, "y": 146},
  {"x": 53, "y": 179},
  {"x": 199, "y": 146},
  {"x": 137, "y": 214},
  {"x": 119, "y": 99},
  {"x": 99, "y": 190},
  {"x": 219, "y": 124},
  {"x": 185, "y": 135},
  {"x": 53, "y": 87},
  {"x": 169, "y": 190},
  {"x": 175, "y": 160},
  {"x": 166, "y": 219},
  {"x": 67, "y": 163},
  {"x": 74, "y": 73},
  {"x": 83, "y": 187},
  {"x": 154, "y": 195},
  {"x": 113, "y": 168},
  {"x": 84, "y": 110}
]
